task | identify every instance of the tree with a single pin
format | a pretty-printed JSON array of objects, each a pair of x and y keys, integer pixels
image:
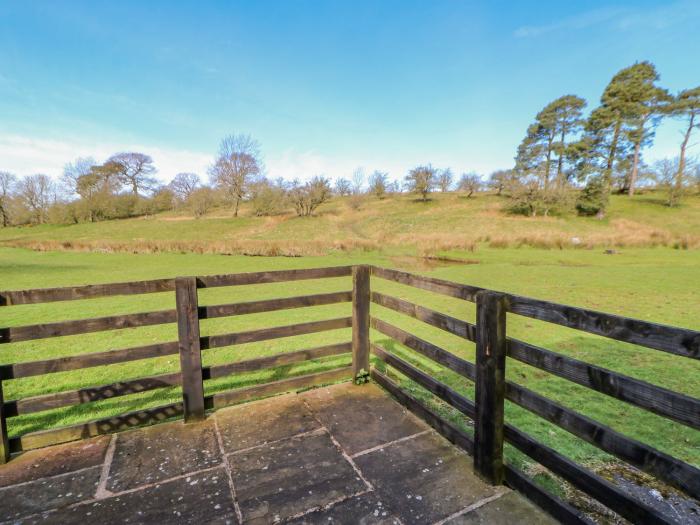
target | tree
[
  {"x": 499, "y": 180},
  {"x": 7, "y": 183},
  {"x": 358, "y": 180},
  {"x": 307, "y": 197},
  {"x": 201, "y": 200},
  {"x": 685, "y": 106},
  {"x": 74, "y": 170},
  {"x": 35, "y": 192},
  {"x": 134, "y": 170},
  {"x": 469, "y": 183},
  {"x": 421, "y": 180},
  {"x": 645, "y": 104},
  {"x": 378, "y": 182},
  {"x": 547, "y": 137},
  {"x": 444, "y": 180},
  {"x": 268, "y": 197},
  {"x": 593, "y": 198},
  {"x": 183, "y": 184},
  {"x": 236, "y": 167},
  {"x": 343, "y": 187}
]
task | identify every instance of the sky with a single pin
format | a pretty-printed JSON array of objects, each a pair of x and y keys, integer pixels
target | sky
[{"x": 324, "y": 86}]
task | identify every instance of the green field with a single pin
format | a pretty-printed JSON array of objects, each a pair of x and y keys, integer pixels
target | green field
[
  {"x": 654, "y": 284},
  {"x": 634, "y": 263}
]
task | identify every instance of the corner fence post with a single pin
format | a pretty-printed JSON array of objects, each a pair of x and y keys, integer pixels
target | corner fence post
[
  {"x": 190, "y": 354},
  {"x": 4, "y": 439},
  {"x": 490, "y": 385},
  {"x": 360, "y": 323}
]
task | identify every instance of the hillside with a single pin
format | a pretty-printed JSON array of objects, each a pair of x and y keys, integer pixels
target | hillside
[{"x": 397, "y": 225}]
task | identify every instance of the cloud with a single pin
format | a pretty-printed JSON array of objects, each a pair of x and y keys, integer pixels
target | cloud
[
  {"x": 27, "y": 155},
  {"x": 618, "y": 18}
]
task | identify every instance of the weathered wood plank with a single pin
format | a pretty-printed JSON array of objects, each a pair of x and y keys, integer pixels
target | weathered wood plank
[
  {"x": 89, "y": 291},
  {"x": 75, "y": 362},
  {"x": 84, "y": 326},
  {"x": 262, "y": 363},
  {"x": 458, "y": 401},
  {"x": 558, "y": 509},
  {"x": 461, "y": 291},
  {"x": 667, "y": 468},
  {"x": 94, "y": 428},
  {"x": 240, "y": 395},
  {"x": 278, "y": 276},
  {"x": 360, "y": 323},
  {"x": 445, "y": 428},
  {"x": 90, "y": 394},
  {"x": 608, "y": 494},
  {"x": 444, "y": 322},
  {"x": 190, "y": 354},
  {"x": 254, "y": 307},
  {"x": 678, "y": 341},
  {"x": 678, "y": 407},
  {"x": 4, "y": 438},
  {"x": 490, "y": 385},
  {"x": 425, "y": 348},
  {"x": 264, "y": 334}
]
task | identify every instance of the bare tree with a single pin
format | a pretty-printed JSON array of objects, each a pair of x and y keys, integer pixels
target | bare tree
[
  {"x": 7, "y": 183},
  {"x": 378, "y": 183},
  {"x": 421, "y": 180},
  {"x": 444, "y": 180},
  {"x": 135, "y": 170},
  {"x": 306, "y": 198},
  {"x": 74, "y": 170},
  {"x": 499, "y": 179},
  {"x": 236, "y": 167},
  {"x": 343, "y": 187},
  {"x": 469, "y": 183},
  {"x": 35, "y": 192},
  {"x": 183, "y": 184},
  {"x": 358, "y": 180}
]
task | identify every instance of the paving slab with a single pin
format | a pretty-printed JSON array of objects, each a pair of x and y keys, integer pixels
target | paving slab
[
  {"x": 261, "y": 422},
  {"x": 365, "y": 509},
  {"x": 197, "y": 499},
  {"x": 361, "y": 417},
  {"x": 424, "y": 479},
  {"x": 506, "y": 510},
  {"x": 161, "y": 452},
  {"x": 43, "y": 494},
  {"x": 55, "y": 460},
  {"x": 280, "y": 480}
]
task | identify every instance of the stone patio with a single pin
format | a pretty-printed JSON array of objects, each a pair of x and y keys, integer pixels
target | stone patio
[{"x": 342, "y": 454}]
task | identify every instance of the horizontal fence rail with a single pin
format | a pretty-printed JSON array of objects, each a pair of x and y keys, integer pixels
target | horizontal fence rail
[
  {"x": 663, "y": 402},
  {"x": 11, "y": 408},
  {"x": 487, "y": 373}
]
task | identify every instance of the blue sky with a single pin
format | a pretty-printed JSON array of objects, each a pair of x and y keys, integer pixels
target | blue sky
[{"x": 324, "y": 86}]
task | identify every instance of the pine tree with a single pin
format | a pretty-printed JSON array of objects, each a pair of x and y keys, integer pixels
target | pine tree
[{"x": 686, "y": 106}]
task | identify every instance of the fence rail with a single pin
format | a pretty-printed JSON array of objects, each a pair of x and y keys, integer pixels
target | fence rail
[{"x": 494, "y": 349}]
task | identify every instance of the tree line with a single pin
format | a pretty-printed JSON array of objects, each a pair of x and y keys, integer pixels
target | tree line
[
  {"x": 567, "y": 161},
  {"x": 603, "y": 152}
]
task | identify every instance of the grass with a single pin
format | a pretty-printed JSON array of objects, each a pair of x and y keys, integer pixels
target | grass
[
  {"x": 396, "y": 224},
  {"x": 656, "y": 283}
]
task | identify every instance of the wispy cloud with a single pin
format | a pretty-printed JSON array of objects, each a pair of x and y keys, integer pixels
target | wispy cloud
[
  {"x": 619, "y": 18},
  {"x": 25, "y": 155}
]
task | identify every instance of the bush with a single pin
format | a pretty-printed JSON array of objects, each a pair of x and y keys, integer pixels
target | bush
[
  {"x": 593, "y": 199},
  {"x": 268, "y": 198}
]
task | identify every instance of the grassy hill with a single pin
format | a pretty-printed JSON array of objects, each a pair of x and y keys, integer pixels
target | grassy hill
[{"x": 399, "y": 224}]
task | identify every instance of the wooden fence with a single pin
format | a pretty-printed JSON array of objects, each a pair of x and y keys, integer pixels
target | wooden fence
[
  {"x": 189, "y": 345},
  {"x": 493, "y": 347}
]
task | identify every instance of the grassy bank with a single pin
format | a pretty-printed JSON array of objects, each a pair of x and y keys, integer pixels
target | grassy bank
[{"x": 398, "y": 224}]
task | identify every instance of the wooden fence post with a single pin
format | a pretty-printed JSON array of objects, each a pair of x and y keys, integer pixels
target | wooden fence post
[
  {"x": 360, "y": 322},
  {"x": 190, "y": 354},
  {"x": 490, "y": 385},
  {"x": 4, "y": 440}
]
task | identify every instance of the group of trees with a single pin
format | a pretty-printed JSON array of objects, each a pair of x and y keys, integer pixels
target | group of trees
[{"x": 601, "y": 153}]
